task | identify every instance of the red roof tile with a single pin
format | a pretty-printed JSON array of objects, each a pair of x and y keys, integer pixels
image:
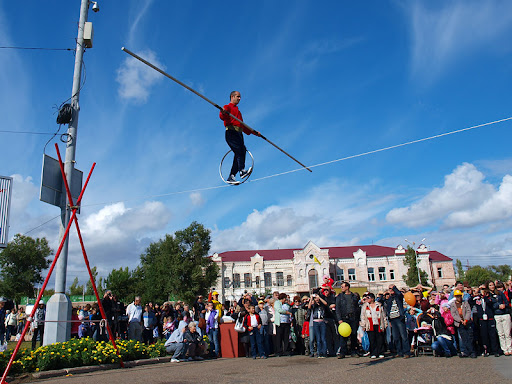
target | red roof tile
[{"x": 334, "y": 253}]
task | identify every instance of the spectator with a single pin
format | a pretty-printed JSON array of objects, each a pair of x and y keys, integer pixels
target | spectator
[
  {"x": 196, "y": 346},
  {"x": 347, "y": 306},
  {"x": 75, "y": 323},
  {"x": 461, "y": 313},
  {"x": 444, "y": 340},
  {"x": 38, "y": 324},
  {"x": 149, "y": 323},
  {"x": 254, "y": 324},
  {"x": 10, "y": 324},
  {"x": 22, "y": 319},
  {"x": 502, "y": 315},
  {"x": 263, "y": 311},
  {"x": 84, "y": 330},
  {"x": 109, "y": 307},
  {"x": 396, "y": 315},
  {"x": 134, "y": 312},
  {"x": 176, "y": 345},
  {"x": 2, "y": 321},
  {"x": 281, "y": 312},
  {"x": 318, "y": 307},
  {"x": 484, "y": 316},
  {"x": 374, "y": 322},
  {"x": 199, "y": 308},
  {"x": 212, "y": 329}
]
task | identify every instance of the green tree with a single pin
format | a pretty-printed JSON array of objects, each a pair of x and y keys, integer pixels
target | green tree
[
  {"x": 76, "y": 288},
  {"x": 477, "y": 275},
  {"x": 459, "y": 269},
  {"x": 411, "y": 278},
  {"x": 178, "y": 265},
  {"x": 88, "y": 286},
  {"x": 500, "y": 272},
  {"x": 121, "y": 283},
  {"x": 21, "y": 264}
]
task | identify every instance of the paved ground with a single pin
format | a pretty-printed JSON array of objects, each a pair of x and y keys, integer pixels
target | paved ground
[{"x": 302, "y": 369}]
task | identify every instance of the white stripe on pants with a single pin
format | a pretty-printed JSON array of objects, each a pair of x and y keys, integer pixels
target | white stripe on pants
[{"x": 503, "y": 325}]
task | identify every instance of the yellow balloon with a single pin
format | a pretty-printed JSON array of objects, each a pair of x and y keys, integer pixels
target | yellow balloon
[{"x": 344, "y": 329}]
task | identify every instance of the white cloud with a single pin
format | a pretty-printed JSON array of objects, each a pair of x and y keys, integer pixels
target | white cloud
[
  {"x": 443, "y": 35},
  {"x": 464, "y": 200},
  {"x": 497, "y": 207},
  {"x": 463, "y": 189},
  {"x": 328, "y": 214},
  {"x": 136, "y": 79},
  {"x": 197, "y": 199}
]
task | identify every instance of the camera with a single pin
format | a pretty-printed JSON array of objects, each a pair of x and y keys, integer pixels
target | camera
[{"x": 95, "y": 6}]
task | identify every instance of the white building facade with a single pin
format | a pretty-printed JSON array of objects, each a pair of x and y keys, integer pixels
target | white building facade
[{"x": 298, "y": 271}]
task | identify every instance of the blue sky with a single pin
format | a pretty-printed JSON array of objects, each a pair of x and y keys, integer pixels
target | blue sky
[{"x": 322, "y": 82}]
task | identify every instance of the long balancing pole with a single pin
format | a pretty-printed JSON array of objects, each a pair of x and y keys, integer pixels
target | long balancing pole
[{"x": 209, "y": 101}]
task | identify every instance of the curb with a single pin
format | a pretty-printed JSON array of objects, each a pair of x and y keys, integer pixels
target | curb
[{"x": 95, "y": 368}]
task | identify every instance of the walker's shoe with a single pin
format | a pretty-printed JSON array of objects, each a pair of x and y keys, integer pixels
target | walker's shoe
[
  {"x": 188, "y": 359},
  {"x": 366, "y": 354},
  {"x": 263, "y": 357},
  {"x": 175, "y": 361},
  {"x": 496, "y": 354},
  {"x": 407, "y": 356},
  {"x": 321, "y": 357},
  {"x": 313, "y": 355},
  {"x": 244, "y": 173},
  {"x": 373, "y": 357},
  {"x": 340, "y": 356},
  {"x": 198, "y": 358},
  {"x": 231, "y": 179},
  {"x": 473, "y": 356},
  {"x": 381, "y": 356},
  {"x": 354, "y": 355}
]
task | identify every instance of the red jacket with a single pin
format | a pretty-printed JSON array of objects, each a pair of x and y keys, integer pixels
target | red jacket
[
  {"x": 247, "y": 320},
  {"x": 228, "y": 120}
]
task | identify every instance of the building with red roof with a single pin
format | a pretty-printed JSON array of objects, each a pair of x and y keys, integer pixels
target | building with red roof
[{"x": 298, "y": 271}]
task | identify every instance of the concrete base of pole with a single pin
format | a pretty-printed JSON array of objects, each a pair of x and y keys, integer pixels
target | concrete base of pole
[{"x": 58, "y": 308}]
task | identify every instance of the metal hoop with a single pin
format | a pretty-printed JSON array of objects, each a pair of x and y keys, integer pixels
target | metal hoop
[{"x": 244, "y": 179}]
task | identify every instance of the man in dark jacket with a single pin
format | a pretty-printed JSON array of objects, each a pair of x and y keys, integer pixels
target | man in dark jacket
[
  {"x": 396, "y": 315},
  {"x": 347, "y": 308},
  {"x": 196, "y": 345}
]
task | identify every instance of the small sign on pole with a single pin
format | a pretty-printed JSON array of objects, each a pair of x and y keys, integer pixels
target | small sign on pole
[
  {"x": 52, "y": 189},
  {"x": 5, "y": 207}
]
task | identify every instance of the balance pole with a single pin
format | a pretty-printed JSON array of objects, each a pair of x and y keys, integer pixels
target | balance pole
[{"x": 211, "y": 102}]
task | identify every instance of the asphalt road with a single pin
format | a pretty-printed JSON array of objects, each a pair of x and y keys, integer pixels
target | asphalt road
[{"x": 302, "y": 369}]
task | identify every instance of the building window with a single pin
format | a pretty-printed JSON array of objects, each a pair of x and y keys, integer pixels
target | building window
[
  {"x": 289, "y": 280},
  {"x": 392, "y": 274},
  {"x": 236, "y": 280},
  {"x": 313, "y": 279},
  {"x": 351, "y": 274},
  {"x": 247, "y": 280},
  {"x": 440, "y": 272},
  {"x": 382, "y": 273},
  {"x": 280, "y": 279},
  {"x": 371, "y": 274},
  {"x": 257, "y": 281},
  {"x": 226, "y": 282},
  {"x": 340, "y": 274},
  {"x": 268, "y": 279}
]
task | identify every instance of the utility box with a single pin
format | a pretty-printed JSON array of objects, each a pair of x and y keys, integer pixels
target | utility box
[{"x": 88, "y": 34}]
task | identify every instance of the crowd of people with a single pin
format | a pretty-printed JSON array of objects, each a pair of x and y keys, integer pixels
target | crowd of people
[{"x": 453, "y": 321}]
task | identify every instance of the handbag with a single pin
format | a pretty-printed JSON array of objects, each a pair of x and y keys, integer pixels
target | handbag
[{"x": 239, "y": 325}]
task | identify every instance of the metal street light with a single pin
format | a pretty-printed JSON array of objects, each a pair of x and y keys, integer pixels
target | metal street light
[{"x": 416, "y": 255}]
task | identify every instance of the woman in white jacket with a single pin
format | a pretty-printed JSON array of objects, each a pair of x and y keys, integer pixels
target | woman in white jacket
[{"x": 374, "y": 322}]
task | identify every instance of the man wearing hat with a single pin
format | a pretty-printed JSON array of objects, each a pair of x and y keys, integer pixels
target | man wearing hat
[
  {"x": 216, "y": 303},
  {"x": 461, "y": 313}
]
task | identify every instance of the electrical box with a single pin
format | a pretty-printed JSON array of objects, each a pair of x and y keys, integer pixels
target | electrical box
[{"x": 88, "y": 34}]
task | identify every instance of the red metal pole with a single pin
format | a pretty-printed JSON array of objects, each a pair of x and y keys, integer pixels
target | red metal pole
[
  {"x": 29, "y": 320},
  {"x": 86, "y": 259},
  {"x": 52, "y": 266}
]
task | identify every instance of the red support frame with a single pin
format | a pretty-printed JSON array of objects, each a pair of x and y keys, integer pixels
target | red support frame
[{"x": 72, "y": 219}]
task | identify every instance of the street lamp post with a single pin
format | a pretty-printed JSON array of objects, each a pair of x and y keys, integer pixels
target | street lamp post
[{"x": 416, "y": 256}]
